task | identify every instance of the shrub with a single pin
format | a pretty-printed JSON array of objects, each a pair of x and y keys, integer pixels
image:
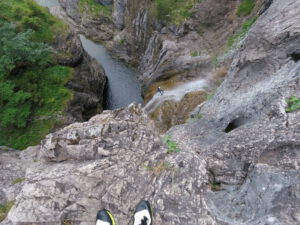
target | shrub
[
  {"x": 173, "y": 11},
  {"x": 28, "y": 14},
  {"x": 245, "y": 8},
  {"x": 293, "y": 104},
  {"x": 195, "y": 53},
  {"x": 172, "y": 146},
  {"x": 94, "y": 8}
]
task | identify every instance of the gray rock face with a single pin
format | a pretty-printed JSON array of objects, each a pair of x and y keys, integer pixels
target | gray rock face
[
  {"x": 111, "y": 161},
  {"x": 251, "y": 144},
  {"x": 98, "y": 27},
  {"x": 238, "y": 164},
  {"x": 119, "y": 13},
  {"x": 13, "y": 165},
  {"x": 88, "y": 79},
  {"x": 88, "y": 89}
]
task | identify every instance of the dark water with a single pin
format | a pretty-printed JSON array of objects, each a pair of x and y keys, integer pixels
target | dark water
[{"x": 123, "y": 87}]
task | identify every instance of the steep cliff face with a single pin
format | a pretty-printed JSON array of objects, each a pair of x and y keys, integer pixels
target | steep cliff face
[
  {"x": 237, "y": 164},
  {"x": 163, "y": 52},
  {"x": 87, "y": 82},
  {"x": 197, "y": 48},
  {"x": 92, "y": 20},
  {"x": 251, "y": 142}
]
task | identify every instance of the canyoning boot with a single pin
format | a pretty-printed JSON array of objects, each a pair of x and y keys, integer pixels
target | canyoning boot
[
  {"x": 143, "y": 213},
  {"x": 104, "y": 217}
]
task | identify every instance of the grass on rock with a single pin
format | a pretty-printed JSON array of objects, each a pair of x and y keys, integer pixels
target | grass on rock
[
  {"x": 240, "y": 34},
  {"x": 173, "y": 11},
  {"x": 4, "y": 209},
  {"x": 94, "y": 8},
  {"x": 245, "y": 7}
]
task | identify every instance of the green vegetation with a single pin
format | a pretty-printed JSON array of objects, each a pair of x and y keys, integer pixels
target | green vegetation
[
  {"x": 215, "y": 186},
  {"x": 195, "y": 53},
  {"x": 4, "y": 209},
  {"x": 245, "y": 7},
  {"x": 18, "y": 180},
  {"x": 94, "y": 8},
  {"x": 242, "y": 32},
  {"x": 173, "y": 11},
  {"x": 293, "y": 104},
  {"x": 172, "y": 146},
  {"x": 31, "y": 84},
  {"x": 27, "y": 14},
  {"x": 211, "y": 94}
]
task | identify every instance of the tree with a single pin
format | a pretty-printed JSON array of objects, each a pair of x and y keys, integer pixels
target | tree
[{"x": 18, "y": 55}]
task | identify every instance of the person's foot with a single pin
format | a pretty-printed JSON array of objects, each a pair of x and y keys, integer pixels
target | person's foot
[
  {"x": 143, "y": 213},
  {"x": 104, "y": 217}
]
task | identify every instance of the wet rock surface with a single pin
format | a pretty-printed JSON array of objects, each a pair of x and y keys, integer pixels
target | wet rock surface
[{"x": 171, "y": 112}]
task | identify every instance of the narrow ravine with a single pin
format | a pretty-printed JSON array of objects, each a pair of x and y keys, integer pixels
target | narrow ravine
[{"x": 122, "y": 86}]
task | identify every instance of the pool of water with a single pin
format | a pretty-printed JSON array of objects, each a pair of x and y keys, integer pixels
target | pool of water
[{"x": 123, "y": 87}]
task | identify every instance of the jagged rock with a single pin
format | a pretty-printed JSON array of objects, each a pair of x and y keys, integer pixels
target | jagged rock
[
  {"x": 238, "y": 164},
  {"x": 111, "y": 161},
  {"x": 88, "y": 79},
  {"x": 13, "y": 165},
  {"x": 119, "y": 13},
  {"x": 68, "y": 49},
  {"x": 88, "y": 90},
  {"x": 97, "y": 27},
  {"x": 250, "y": 143}
]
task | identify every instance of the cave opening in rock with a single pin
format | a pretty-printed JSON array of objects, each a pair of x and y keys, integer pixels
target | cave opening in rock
[
  {"x": 295, "y": 56},
  {"x": 234, "y": 124}
]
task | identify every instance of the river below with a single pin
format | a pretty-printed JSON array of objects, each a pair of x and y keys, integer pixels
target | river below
[{"x": 122, "y": 86}]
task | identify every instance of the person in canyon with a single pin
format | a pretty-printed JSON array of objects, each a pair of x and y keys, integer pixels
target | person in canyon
[
  {"x": 161, "y": 91},
  {"x": 142, "y": 215}
]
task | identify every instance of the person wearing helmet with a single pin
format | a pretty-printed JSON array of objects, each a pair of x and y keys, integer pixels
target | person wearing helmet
[{"x": 161, "y": 91}]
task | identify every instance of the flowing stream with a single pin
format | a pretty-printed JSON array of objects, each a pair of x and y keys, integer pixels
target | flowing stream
[
  {"x": 123, "y": 87},
  {"x": 177, "y": 93}
]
